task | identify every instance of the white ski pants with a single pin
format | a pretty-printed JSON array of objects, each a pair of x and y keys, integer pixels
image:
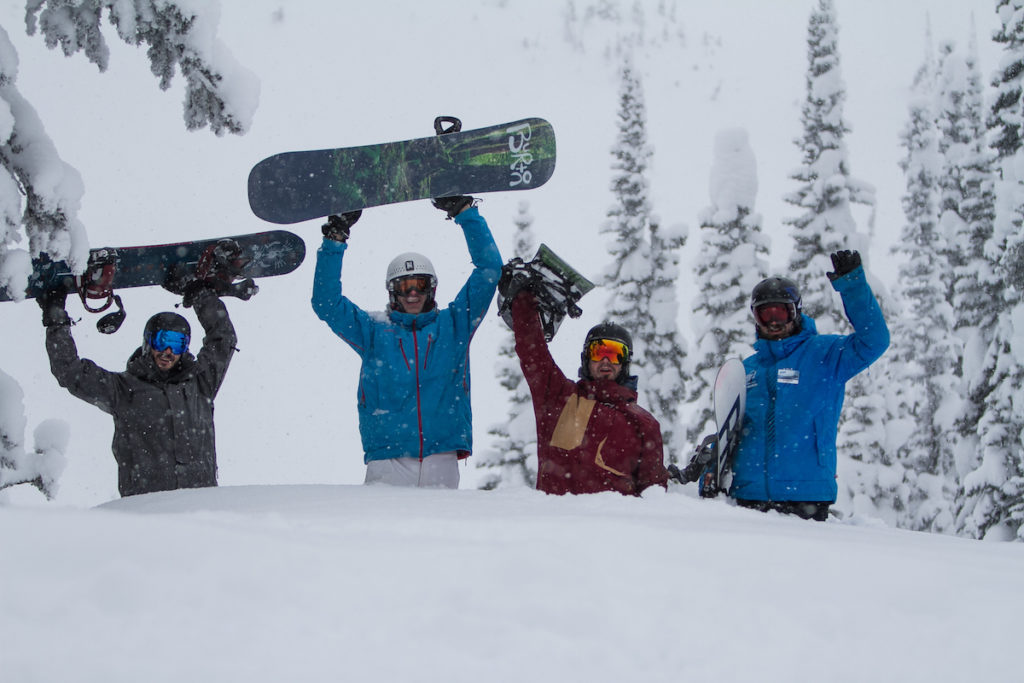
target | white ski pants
[{"x": 440, "y": 470}]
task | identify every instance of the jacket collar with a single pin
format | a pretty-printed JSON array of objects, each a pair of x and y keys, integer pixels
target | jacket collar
[
  {"x": 606, "y": 391},
  {"x": 412, "y": 321},
  {"x": 141, "y": 365},
  {"x": 778, "y": 349}
]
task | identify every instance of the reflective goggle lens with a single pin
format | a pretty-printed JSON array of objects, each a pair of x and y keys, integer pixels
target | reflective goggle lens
[
  {"x": 177, "y": 342},
  {"x": 608, "y": 349},
  {"x": 777, "y": 314},
  {"x": 406, "y": 285}
]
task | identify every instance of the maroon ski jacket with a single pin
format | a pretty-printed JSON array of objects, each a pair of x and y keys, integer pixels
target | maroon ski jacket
[{"x": 591, "y": 435}]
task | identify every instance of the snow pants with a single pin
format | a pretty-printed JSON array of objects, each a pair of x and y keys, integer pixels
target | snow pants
[{"x": 440, "y": 470}]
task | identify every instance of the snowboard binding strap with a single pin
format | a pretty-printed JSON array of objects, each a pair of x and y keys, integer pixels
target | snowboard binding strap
[{"x": 97, "y": 280}]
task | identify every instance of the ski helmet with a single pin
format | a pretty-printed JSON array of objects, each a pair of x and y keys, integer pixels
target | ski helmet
[
  {"x": 776, "y": 290},
  {"x": 172, "y": 322},
  {"x": 407, "y": 265},
  {"x": 614, "y": 332}
]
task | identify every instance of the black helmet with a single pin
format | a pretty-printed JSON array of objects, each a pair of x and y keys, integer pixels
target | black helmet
[
  {"x": 171, "y": 322},
  {"x": 775, "y": 290},
  {"x": 607, "y": 330}
]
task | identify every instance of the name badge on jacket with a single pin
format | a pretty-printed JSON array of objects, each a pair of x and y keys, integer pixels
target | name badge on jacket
[{"x": 788, "y": 376}]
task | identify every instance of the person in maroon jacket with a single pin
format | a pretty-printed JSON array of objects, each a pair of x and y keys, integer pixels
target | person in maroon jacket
[{"x": 591, "y": 435}]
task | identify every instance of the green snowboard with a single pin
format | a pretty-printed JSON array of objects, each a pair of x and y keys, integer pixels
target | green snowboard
[{"x": 297, "y": 186}]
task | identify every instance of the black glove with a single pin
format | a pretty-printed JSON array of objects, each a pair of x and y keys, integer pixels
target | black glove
[
  {"x": 337, "y": 227},
  {"x": 53, "y": 302},
  {"x": 452, "y": 205},
  {"x": 843, "y": 262},
  {"x": 197, "y": 289}
]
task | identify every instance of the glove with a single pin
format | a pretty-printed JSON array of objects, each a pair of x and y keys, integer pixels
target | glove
[
  {"x": 843, "y": 262},
  {"x": 53, "y": 302},
  {"x": 197, "y": 289},
  {"x": 337, "y": 227},
  {"x": 452, "y": 205}
]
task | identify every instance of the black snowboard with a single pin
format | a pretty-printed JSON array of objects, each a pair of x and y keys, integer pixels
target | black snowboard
[
  {"x": 297, "y": 186},
  {"x": 237, "y": 259}
]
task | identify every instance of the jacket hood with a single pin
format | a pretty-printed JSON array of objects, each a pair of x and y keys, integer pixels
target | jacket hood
[
  {"x": 141, "y": 365},
  {"x": 780, "y": 348}
]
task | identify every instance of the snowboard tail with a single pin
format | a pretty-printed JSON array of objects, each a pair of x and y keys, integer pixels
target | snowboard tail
[
  {"x": 557, "y": 286},
  {"x": 297, "y": 186}
]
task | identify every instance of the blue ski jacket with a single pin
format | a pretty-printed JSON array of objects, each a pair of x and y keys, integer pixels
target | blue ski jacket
[
  {"x": 414, "y": 382},
  {"x": 795, "y": 390}
]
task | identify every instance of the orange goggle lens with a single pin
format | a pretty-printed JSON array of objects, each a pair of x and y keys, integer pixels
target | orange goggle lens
[
  {"x": 414, "y": 282},
  {"x": 608, "y": 349}
]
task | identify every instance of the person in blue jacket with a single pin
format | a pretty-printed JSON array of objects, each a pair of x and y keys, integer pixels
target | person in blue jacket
[
  {"x": 796, "y": 381},
  {"x": 415, "y": 418}
]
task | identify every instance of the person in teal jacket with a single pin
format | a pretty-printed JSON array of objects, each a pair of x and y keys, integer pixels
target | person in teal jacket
[
  {"x": 415, "y": 418},
  {"x": 796, "y": 382}
]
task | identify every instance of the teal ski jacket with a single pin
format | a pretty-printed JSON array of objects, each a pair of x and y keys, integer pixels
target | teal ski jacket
[
  {"x": 414, "y": 382},
  {"x": 795, "y": 391}
]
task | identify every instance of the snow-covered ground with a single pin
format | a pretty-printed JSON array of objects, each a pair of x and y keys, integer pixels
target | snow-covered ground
[
  {"x": 292, "y": 571},
  {"x": 354, "y": 583}
]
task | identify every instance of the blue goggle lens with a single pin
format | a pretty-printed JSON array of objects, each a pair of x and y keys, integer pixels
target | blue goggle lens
[{"x": 177, "y": 342}]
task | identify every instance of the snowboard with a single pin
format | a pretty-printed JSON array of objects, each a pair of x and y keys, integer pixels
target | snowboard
[
  {"x": 256, "y": 255},
  {"x": 730, "y": 403},
  {"x": 712, "y": 461},
  {"x": 557, "y": 286},
  {"x": 292, "y": 187}
]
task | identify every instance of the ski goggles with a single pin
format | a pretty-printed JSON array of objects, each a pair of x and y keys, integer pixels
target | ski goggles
[
  {"x": 774, "y": 314},
  {"x": 614, "y": 352},
  {"x": 423, "y": 284},
  {"x": 160, "y": 340}
]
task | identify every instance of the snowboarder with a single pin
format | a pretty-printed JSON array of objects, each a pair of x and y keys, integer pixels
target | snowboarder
[
  {"x": 591, "y": 435},
  {"x": 162, "y": 403},
  {"x": 796, "y": 381},
  {"x": 415, "y": 418}
]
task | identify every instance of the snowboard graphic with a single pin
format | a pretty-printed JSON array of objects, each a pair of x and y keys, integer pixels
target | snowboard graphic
[
  {"x": 256, "y": 255},
  {"x": 712, "y": 461},
  {"x": 297, "y": 186},
  {"x": 730, "y": 401}
]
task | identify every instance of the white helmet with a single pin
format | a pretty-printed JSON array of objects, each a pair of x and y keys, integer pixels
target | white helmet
[{"x": 410, "y": 263}]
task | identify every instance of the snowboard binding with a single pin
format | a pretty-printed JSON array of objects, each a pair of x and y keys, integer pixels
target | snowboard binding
[
  {"x": 97, "y": 283},
  {"x": 555, "y": 284}
]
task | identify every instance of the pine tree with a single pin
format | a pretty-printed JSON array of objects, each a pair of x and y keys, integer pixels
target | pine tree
[
  {"x": 641, "y": 278},
  {"x": 666, "y": 349},
  {"x": 923, "y": 348},
  {"x": 826, "y": 186},
  {"x": 512, "y": 458},
  {"x": 993, "y": 491},
  {"x": 629, "y": 278},
  {"x": 733, "y": 259}
]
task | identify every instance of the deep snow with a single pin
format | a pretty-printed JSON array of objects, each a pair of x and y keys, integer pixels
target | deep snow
[{"x": 291, "y": 571}]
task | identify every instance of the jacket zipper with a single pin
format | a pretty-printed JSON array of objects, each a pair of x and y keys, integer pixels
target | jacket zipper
[{"x": 419, "y": 410}]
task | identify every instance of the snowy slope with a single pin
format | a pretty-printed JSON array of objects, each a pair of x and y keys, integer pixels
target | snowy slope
[
  {"x": 293, "y": 572},
  {"x": 327, "y": 583}
]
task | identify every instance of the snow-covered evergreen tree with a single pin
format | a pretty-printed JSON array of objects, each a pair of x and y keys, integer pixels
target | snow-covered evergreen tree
[
  {"x": 993, "y": 491},
  {"x": 641, "y": 278},
  {"x": 512, "y": 458},
  {"x": 826, "y": 187},
  {"x": 178, "y": 35},
  {"x": 665, "y": 388},
  {"x": 733, "y": 258},
  {"x": 923, "y": 354},
  {"x": 42, "y": 466},
  {"x": 630, "y": 277}
]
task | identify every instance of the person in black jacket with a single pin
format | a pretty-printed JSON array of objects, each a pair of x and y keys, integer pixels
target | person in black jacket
[{"x": 162, "y": 403}]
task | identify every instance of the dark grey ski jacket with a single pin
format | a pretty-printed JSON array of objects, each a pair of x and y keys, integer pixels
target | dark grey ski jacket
[{"x": 163, "y": 421}]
